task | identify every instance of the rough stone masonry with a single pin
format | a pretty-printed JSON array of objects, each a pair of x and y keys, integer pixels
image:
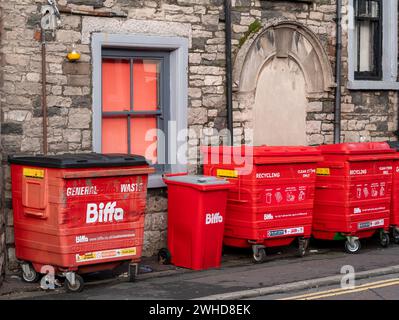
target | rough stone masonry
[{"x": 367, "y": 115}]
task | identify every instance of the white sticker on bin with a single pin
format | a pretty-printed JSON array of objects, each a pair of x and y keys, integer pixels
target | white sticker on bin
[
  {"x": 106, "y": 254},
  {"x": 370, "y": 224},
  {"x": 285, "y": 232}
]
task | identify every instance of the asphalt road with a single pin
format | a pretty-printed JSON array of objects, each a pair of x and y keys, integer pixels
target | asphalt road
[
  {"x": 281, "y": 267},
  {"x": 378, "y": 288}
]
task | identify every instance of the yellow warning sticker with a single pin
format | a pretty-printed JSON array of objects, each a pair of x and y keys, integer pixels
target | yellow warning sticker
[
  {"x": 106, "y": 254},
  {"x": 33, "y": 173},
  {"x": 227, "y": 173},
  {"x": 323, "y": 171},
  {"x": 128, "y": 251}
]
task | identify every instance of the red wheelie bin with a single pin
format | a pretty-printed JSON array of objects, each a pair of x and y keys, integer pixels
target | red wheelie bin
[
  {"x": 394, "y": 220},
  {"x": 78, "y": 213},
  {"x": 353, "y": 193},
  {"x": 271, "y": 201},
  {"x": 196, "y": 214}
]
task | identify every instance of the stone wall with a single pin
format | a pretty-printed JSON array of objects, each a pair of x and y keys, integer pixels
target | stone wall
[
  {"x": 2, "y": 212},
  {"x": 2, "y": 232},
  {"x": 366, "y": 115}
]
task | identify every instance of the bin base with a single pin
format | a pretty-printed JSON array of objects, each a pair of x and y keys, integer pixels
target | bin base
[
  {"x": 61, "y": 271},
  {"x": 268, "y": 243},
  {"x": 259, "y": 246},
  {"x": 339, "y": 235},
  {"x": 352, "y": 243}
]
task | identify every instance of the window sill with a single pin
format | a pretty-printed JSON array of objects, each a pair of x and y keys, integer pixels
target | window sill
[
  {"x": 155, "y": 181},
  {"x": 372, "y": 85}
]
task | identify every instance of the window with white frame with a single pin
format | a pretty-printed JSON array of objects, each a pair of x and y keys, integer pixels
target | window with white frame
[
  {"x": 372, "y": 47},
  {"x": 139, "y": 87}
]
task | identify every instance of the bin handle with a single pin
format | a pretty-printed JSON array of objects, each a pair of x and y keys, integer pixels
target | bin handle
[
  {"x": 321, "y": 187},
  {"x": 107, "y": 173},
  {"x": 336, "y": 166},
  {"x": 167, "y": 175},
  {"x": 35, "y": 214},
  {"x": 237, "y": 200},
  {"x": 371, "y": 158}
]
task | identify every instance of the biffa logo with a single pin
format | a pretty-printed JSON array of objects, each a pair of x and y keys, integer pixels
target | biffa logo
[
  {"x": 80, "y": 239},
  {"x": 103, "y": 213},
  {"x": 212, "y": 218},
  {"x": 268, "y": 216}
]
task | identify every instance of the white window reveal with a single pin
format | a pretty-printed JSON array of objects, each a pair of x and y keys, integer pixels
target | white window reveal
[{"x": 373, "y": 45}]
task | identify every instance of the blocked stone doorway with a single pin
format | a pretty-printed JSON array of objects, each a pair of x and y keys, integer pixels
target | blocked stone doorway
[
  {"x": 280, "y": 105},
  {"x": 278, "y": 72}
]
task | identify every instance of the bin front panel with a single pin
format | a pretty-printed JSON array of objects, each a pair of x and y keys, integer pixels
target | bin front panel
[
  {"x": 85, "y": 220},
  {"x": 273, "y": 203},
  {"x": 276, "y": 203},
  {"x": 353, "y": 194}
]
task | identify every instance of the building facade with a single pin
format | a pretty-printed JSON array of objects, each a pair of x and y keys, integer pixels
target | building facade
[{"x": 148, "y": 64}]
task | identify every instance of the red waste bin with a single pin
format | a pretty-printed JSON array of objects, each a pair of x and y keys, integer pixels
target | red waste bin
[
  {"x": 353, "y": 193},
  {"x": 78, "y": 213},
  {"x": 271, "y": 201},
  {"x": 394, "y": 219},
  {"x": 196, "y": 211}
]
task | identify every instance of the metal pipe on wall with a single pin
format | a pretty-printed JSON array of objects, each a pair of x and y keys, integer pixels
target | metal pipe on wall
[
  {"x": 338, "y": 74},
  {"x": 44, "y": 91},
  {"x": 229, "y": 69}
]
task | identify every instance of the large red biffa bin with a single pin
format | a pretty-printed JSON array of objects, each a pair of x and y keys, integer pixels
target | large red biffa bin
[
  {"x": 353, "y": 193},
  {"x": 78, "y": 213},
  {"x": 196, "y": 214},
  {"x": 271, "y": 201}
]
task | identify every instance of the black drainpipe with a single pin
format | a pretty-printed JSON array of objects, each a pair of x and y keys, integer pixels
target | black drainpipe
[
  {"x": 229, "y": 69},
  {"x": 44, "y": 92},
  {"x": 337, "y": 107}
]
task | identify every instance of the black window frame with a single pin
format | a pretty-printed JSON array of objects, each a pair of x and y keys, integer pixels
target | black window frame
[
  {"x": 163, "y": 109},
  {"x": 377, "y": 45}
]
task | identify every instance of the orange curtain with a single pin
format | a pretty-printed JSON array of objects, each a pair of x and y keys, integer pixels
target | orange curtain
[{"x": 116, "y": 86}]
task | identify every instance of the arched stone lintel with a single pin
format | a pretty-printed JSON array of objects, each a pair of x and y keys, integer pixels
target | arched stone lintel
[
  {"x": 249, "y": 61},
  {"x": 297, "y": 61}
]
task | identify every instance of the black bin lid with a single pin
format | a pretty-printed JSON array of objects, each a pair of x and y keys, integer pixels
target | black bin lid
[
  {"x": 394, "y": 145},
  {"x": 79, "y": 160}
]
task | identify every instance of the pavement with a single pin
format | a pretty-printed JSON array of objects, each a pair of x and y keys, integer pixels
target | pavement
[{"x": 238, "y": 278}]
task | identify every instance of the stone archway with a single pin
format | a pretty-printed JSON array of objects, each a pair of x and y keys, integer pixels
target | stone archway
[{"x": 277, "y": 71}]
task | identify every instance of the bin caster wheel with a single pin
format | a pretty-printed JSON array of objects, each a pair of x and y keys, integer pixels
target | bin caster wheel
[
  {"x": 303, "y": 246},
  {"x": 352, "y": 246},
  {"x": 384, "y": 239},
  {"x": 133, "y": 271},
  {"x": 395, "y": 235},
  {"x": 259, "y": 256},
  {"x": 29, "y": 274},
  {"x": 77, "y": 287},
  {"x": 164, "y": 256}
]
